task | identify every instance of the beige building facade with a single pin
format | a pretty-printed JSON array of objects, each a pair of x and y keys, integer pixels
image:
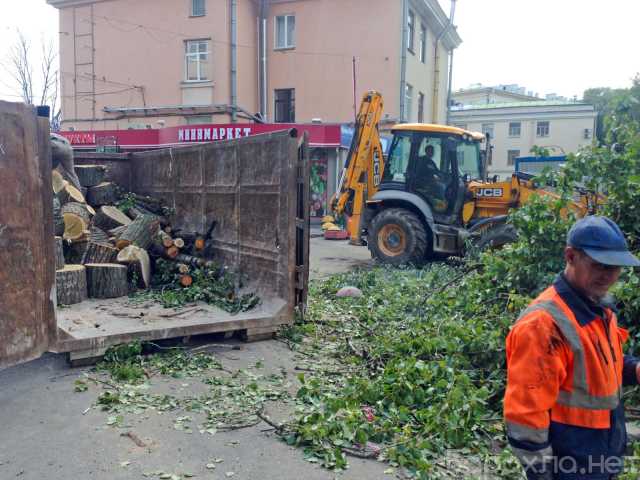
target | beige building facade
[
  {"x": 156, "y": 63},
  {"x": 562, "y": 127}
]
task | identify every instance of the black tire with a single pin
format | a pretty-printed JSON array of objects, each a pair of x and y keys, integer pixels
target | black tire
[
  {"x": 497, "y": 236},
  {"x": 398, "y": 236}
]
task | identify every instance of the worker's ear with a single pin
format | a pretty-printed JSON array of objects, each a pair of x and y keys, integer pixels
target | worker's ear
[{"x": 571, "y": 255}]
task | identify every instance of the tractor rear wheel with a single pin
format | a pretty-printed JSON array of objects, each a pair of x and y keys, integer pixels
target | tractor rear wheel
[{"x": 398, "y": 236}]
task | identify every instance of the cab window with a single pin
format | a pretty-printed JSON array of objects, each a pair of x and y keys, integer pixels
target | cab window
[
  {"x": 468, "y": 155},
  {"x": 398, "y": 160}
]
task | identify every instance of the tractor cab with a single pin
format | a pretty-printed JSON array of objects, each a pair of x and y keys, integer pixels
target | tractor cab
[{"x": 434, "y": 163}]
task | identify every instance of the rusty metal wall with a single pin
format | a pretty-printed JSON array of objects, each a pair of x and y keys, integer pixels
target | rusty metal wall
[
  {"x": 249, "y": 187},
  {"x": 27, "y": 276},
  {"x": 118, "y": 165}
]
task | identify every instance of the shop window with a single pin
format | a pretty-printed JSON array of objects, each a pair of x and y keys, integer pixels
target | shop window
[{"x": 318, "y": 182}]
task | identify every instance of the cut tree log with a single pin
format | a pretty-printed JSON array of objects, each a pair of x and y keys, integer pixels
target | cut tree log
[
  {"x": 186, "y": 280},
  {"x": 90, "y": 175},
  {"x": 140, "y": 233},
  {"x": 178, "y": 242},
  {"x": 59, "y": 253},
  {"x": 57, "y": 181},
  {"x": 87, "y": 251},
  {"x": 71, "y": 284},
  {"x": 81, "y": 209},
  {"x": 182, "y": 268},
  {"x": 106, "y": 193},
  {"x": 58, "y": 220},
  {"x": 199, "y": 244},
  {"x": 70, "y": 194},
  {"x": 97, "y": 235},
  {"x": 172, "y": 252},
  {"x": 108, "y": 217},
  {"x": 138, "y": 262},
  {"x": 165, "y": 239},
  {"x": 70, "y": 177},
  {"x": 76, "y": 220},
  {"x": 106, "y": 280}
]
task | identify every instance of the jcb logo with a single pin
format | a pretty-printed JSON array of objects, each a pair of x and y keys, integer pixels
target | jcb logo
[{"x": 489, "y": 192}]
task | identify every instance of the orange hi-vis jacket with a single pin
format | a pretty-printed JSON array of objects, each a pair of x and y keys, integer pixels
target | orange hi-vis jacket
[{"x": 564, "y": 380}]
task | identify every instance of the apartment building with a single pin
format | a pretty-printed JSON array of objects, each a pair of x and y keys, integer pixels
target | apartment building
[
  {"x": 150, "y": 63},
  {"x": 562, "y": 127}
]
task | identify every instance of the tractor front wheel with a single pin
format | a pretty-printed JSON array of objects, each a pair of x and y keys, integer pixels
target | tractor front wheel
[{"x": 398, "y": 236}]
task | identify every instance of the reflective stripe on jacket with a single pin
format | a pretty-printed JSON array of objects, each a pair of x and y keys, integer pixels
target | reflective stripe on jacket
[{"x": 565, "y": 375}]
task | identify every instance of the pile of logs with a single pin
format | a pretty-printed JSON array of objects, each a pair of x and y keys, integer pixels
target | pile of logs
[{"x": 106, "y": 251}]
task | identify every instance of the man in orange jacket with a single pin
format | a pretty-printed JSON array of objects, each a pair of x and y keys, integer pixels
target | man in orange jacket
[{"x": 566, "y": 368}]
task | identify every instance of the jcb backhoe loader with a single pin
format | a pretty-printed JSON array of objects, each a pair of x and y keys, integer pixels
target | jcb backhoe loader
[{"x": 430, "y": 194}]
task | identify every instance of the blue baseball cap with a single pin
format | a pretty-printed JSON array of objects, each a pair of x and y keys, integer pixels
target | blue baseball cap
[{"x": 602, "y": 240}]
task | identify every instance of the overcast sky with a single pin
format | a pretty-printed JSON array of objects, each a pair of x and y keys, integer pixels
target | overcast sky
[{"x": 548, "y": 46}]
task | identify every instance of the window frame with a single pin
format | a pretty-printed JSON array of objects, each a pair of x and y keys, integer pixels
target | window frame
[
  {"x": 193, "y": 12},
  {"x": 539, "y": 132},
  {"x": 493, "y": 129},
  {"x": 513, "y": 135},
  {"x": 423, "y": 43},
  {"x": 408, "y": 101},
  {"x": 511, "y": 159},
  {"x": 292, "y": 108},
  {"x": 188, "y": 54},
  {"x": 421, "y": 98},
  {"x": 287, "y": 45},
  {"x": 411, "y": 30}
]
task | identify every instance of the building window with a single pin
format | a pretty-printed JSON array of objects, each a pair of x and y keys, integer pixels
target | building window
[
  {"x": 197, "y": 61},
  {"x": 515, "y": 129},
  {"x": 423, "y": 43},
  {"x": 420, "y": 107},
  {"x": 285, "y": 105},
  {"x": 411, "y": 27},
  {"x": 408, "y": 100},
  {"x": 285, "y": 31},
  {"x": 511, "y": 157},
  {"x": 587, "y": 133},
  {"x": 198, "y": 8},
  {"x": 542, "y": 129},
  {"x": 488, "y": 128}
]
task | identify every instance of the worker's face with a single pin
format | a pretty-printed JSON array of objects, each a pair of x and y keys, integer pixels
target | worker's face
[
  {"x": 592, "y": 278},
  {"x": 429, "y": 151}
]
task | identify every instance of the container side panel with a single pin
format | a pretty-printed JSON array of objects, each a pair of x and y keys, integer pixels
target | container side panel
[{"x": 27, "y": 318}]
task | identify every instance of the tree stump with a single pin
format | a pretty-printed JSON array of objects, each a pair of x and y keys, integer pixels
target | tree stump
[
  {"x": 139, "y": 233},
  {"x": 59, "y": 253},
  {"x": 71, "y": 284},
  {"x": 90, "y": 175},
  {"x": 106, "y": 280},
  {"x": 76, "y": 220},
  {"x": 108, "y": 217},
  {"x": 106, "y": 193},
  {"x": 139, "y": 264},
  {"x": 58, "y": 220}
]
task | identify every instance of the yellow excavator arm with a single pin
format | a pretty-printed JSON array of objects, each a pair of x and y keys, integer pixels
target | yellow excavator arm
[{"x": 363, "y": 167}]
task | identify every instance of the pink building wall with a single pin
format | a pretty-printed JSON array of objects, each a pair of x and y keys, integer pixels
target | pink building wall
[{"x": 131, "y": 54}]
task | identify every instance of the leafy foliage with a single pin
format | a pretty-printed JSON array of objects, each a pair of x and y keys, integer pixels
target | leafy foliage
[
  {"x": 422, "y": 351},
  {"x": 212, "y": 285}
]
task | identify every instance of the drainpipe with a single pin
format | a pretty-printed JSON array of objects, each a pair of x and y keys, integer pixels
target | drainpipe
[
  {"x": 436, "y": 69},
  {"x": 262, "y": 58},
  {"x": 450, "y": 79},
  {"x": 234, "y": 60},
  {"x": 403, "y": 57}
]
